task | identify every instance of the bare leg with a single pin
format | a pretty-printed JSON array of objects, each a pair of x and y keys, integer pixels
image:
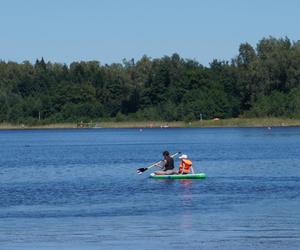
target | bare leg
[
  {"x": 160, "y": 172},
  {"x": 168, "y": 172},
  {"x": 171, "y": 172}
]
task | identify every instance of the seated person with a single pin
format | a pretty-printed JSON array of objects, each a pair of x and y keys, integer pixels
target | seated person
[
  {"x": 168, "y": 165},
  {"x": 186, "y": 165}
]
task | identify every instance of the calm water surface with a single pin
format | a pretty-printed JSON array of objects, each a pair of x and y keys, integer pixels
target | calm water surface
[{"x": 78, "y": 189}]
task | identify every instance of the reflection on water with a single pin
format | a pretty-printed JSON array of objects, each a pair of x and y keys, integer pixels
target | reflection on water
[
  {"x": 186, "y": 198},
  {"x": 186, "y": 194},
  {"x": 186, "y": 183}
]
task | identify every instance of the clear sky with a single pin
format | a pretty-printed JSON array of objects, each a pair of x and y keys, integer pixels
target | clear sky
[{"x": 110, "y": 30}]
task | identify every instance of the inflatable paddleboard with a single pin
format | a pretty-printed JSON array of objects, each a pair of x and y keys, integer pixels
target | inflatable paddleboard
[{"x": 179, "y": 176}]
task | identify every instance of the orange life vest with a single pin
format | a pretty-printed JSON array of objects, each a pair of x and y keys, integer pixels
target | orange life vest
[{"x": 185, "y": 166}]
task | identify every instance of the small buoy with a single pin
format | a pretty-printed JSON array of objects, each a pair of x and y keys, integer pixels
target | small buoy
[
  {"x": 269, "y": 128},
  {"x": 141, "y": 130}
]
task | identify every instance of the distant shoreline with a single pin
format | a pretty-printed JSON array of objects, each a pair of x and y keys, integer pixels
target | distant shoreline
[{"x": 233, "y": 122}]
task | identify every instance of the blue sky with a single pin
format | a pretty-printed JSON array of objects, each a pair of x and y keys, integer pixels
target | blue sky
[{"x": 110, "y": 30}]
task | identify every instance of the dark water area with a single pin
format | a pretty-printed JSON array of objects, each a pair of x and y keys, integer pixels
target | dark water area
[{"x": 78, "y": 189}]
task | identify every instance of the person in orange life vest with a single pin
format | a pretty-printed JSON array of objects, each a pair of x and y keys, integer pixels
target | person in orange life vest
[{"x": 186, "y": 165}]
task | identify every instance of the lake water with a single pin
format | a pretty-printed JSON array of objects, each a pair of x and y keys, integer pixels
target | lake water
[{"x": 78, "y": 189}]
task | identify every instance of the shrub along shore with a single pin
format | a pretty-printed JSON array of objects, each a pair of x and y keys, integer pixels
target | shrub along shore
[
  {"x": 233, "y": 122},
  {"x": 261, "y": 81}
]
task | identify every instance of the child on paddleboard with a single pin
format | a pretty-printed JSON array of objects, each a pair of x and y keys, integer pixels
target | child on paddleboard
[{"x": 186, "y": 165}]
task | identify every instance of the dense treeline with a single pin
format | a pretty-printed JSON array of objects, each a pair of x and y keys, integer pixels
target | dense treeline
[{"x": 264, "y": 81}]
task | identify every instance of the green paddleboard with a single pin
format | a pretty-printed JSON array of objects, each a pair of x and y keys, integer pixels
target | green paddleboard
[{"x": 179, "y": 176}]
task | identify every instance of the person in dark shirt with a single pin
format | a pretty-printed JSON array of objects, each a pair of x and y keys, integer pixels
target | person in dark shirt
[{"x": 168, "y": 165}]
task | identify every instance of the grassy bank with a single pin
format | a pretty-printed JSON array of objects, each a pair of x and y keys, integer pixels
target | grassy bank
[
  {"x": 248, "y": 122},
  {"x": 47, "y": 126},
  {"x": 234, "y": 122}
]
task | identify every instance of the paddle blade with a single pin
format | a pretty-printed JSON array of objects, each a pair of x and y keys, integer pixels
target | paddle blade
[{"x": 141, "y": 170}]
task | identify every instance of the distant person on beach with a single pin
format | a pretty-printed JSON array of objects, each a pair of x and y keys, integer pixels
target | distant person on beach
[
  {"x": 186, "y": 165},
  {"x": 168, "y": 165}
]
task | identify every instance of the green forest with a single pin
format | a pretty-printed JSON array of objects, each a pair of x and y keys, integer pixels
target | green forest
[{"x": 258, "y": 82}]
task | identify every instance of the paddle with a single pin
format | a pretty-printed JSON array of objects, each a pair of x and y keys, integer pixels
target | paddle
[{"x": 142, "y": 170}]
